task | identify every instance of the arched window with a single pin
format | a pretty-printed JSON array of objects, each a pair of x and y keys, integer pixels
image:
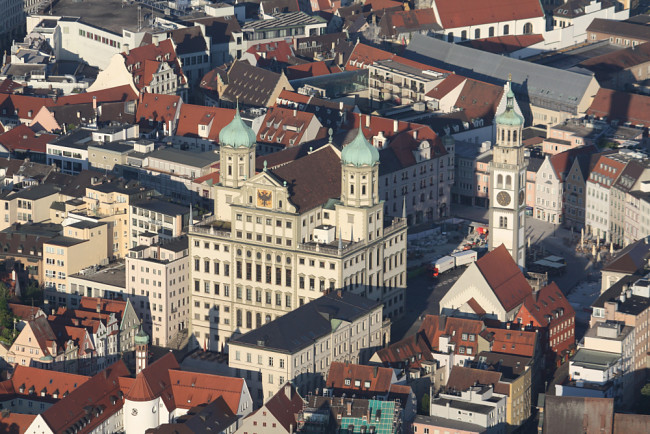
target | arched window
[
  {"x": 499, "y": 180},
  {"x": 351, "y": 188},
  {"x": 491, "y": 32},
  {"x": 450, "y": 37},
  {"x": 508, "y": 181},
  {"x": 508, "y": 135},
  {"x": 463, "y": 35},
  {"x": 363, "y": 190},
  {"x": 503, "y": 135},
  {"x": 239, "y": 318},
  {"x": 514, "y": 136},
  {"x": 258, "y": 320},
  {"x": 506, "y": 29},
  {"x": 249, "y": 319},
  {"x": 267, "y": 319},
  {"x": 477, "y": 33},
  {"x": 528, "y": 29}
]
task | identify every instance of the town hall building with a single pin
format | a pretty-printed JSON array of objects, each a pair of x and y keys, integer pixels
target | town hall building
[{"x": 285, "y": 236}]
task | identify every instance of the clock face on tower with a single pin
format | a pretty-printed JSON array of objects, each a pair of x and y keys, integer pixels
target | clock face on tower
[
  {"x": 264, "y": 198},
  {"x": 503, "y": 198},
  {"x": 522, "y": 197}
]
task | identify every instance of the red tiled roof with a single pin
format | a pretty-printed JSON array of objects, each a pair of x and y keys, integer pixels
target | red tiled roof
[
  {"x": 604, "y": 172},
  {"x": 561, "y": 163},
  {"x": 152, "y": 381},
  {"x": 191, "y": 388},
  {"x": 145, "y": 60},
  {"x": 22, "y": 138},
  {"x": 113, "y": 94},
  {"x": 25, "y": 312},
  {"x": 210, "y": 178},
  {"x": 25, "y": 107},
  {"x": 311, "y": 69},
  {"x": 379, "y": 378},
  {"x": 548, "y": 301},
  {"x": 44, "y": 335},
  {"x": 451, "y": 82},
  {"x": 279, "y": 51},
  {"x": 287, "y": 125},
  {"x": 16, "y": 423},
  {"x": 454, "y": 13},
  {"x": 462, "y": 378},
  {"x": 364, "y": 55},
  {"x": 102, "y": 390},
  {"x": 42, "y": 380},
  {"x": 158, "y": 108},
  {"x": 517, "y": 342},
  {"x": 192, "y": 116},
  {"x": 306, "y": 190},
  {"x": 284, "y": 408},
  {"x": 435, "y": 326},
  {"x": 504, "y": 277},
  {"x": 414, "y": 348},
  {"x": 377, "y": 5},
  {"x": 401, "y": 22},
  {"x": 621, "y": 106},
  {"x": 504, "y": 44},
  {"x": 106, "y": 305},
  {"x": 9, "y": 86},
  {"x": 476, "y": 307},
  {"x": 479, "y": 99}
]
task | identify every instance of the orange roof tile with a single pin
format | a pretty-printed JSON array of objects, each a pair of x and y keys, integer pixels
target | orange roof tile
[
  {"x": 621, "y": 106},
  {"x": 22, "y": 138},
  {"x": 192, "y": 116},
  {"x": 193, "y": 388},
  {"x": 284, "y": 127},
  {"x": 102, "y": 390},
  {"x": 546, "y": 303},
  {"x": 25, "y": 312},
  {"x": 364, "y": 55},
  {"x": 455, "y": 14},
  {"x": 42, "y": 381},
  {"x": 451, "y": 82},
  {"x": 378, "y": 377},
  {"x": 517, "y": 342},
  {"x": 113, "y": 94},
  {"x": 311, "y": 69},
  {"x": 462, "y": 332},
  {"x": 412, "y": 349},
  {"x": 158, "y": 108},
  {"x": 16, "y": 423},
  {"x": 462, "y": 378},
  {"x": 152, "y": 381},
  {"x": 504, "y": 277},
  {"x": 143, "y": 61},
  {"x": 505, "y": 44},
  {"x": 479, "y": 99}
]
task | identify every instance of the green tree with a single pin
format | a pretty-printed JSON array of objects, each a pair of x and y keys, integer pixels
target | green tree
[
  {"x": 643, "y": 406},
  {"x": 32, "y": 294},
  {"x": 6, "y": 316},
  {"x": 424, "y": 404}
]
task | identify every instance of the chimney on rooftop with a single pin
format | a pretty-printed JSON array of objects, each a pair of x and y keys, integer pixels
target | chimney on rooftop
[
  {"x": 349, "y": 408},
  {"x": 395, "y": 125},
  {"x": 287, "y": 391},
  {"x": 367, "y": 121},
  {"x": 126, "y": 49}
]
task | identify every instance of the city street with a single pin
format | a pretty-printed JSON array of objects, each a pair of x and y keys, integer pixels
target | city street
[{"x": 424, "y": 292}]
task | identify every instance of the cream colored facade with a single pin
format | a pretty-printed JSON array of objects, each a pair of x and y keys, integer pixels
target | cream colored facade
[
  {"x": 157, "y": 280},
  {"x": 256, "y": 259},
  {"x": 267, "y": 369},
  {"x": 83, "y": 245},
  {"x": 111, "y": 204}
]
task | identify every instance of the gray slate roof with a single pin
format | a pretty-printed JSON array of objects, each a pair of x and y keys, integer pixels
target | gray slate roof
[
  {"x": 545, "y": 86},
  {"x": 302, "y": 327}
]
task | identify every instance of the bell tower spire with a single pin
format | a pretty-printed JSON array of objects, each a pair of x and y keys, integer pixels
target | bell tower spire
[{"x": 508, "y": 182}]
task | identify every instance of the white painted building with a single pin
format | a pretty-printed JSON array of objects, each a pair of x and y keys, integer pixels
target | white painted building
[{"x": 160, "y": 273}]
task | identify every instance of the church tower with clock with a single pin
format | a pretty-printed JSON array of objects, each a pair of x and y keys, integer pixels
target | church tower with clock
[{"x": 508, "y": 184}]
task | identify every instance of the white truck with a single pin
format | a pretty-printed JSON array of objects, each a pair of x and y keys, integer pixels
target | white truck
[
  {"x": 452, "y": 261},
  {"x": 465, "y": 257},
  {"x": 443, "y": 264}
]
